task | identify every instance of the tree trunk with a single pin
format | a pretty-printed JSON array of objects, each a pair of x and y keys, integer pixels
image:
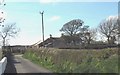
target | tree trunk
[
  {"x": 88, "y": 41},
  {"x": 3, "y": 41},
  {"x": 3, "y": 47},
  {"x": 108, "y": 40}
]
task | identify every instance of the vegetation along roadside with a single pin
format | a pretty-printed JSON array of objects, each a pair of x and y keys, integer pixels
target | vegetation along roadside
[{"x": 75, "y": 61}]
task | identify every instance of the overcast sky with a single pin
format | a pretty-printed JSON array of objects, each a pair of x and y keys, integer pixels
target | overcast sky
[{"x": 56, "y": 14}]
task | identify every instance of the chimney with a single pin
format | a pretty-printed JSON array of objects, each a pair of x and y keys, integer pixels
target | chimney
[{"x": 50, "y": 36}]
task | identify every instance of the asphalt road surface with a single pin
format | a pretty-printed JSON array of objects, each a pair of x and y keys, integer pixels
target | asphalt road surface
[{"x": 18, "y": 64}]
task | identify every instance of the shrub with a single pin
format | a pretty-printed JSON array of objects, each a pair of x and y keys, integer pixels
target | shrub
[{"x": 77, "y": 61}]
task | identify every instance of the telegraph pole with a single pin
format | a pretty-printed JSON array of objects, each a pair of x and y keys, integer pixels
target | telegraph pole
[{"x": 42, "y": 27}]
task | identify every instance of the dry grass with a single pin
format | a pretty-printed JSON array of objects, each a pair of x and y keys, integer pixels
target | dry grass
[
  {"x": 75, "y": 56},
  {"x": 77, "y": 61}
]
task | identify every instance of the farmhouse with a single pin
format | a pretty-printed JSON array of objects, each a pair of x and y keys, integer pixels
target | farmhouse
[
  {"x": 60, "y": 42},
  {"x": 54, "y": 42}
]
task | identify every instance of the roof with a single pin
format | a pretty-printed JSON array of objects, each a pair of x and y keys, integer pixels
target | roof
[
  {"x": 49, "y": 40},
  {"x": 37, "y": 43}
]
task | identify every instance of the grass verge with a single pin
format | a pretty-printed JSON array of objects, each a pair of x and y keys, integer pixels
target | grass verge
[{"x": 75, "y": 61}]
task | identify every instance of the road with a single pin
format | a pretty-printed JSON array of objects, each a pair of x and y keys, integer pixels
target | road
[{"x": 22, "y": 65}]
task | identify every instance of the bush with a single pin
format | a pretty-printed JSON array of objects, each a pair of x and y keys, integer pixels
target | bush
[{"x": 77, "y": 61}]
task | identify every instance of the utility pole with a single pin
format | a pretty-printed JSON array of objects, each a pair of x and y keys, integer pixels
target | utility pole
[{"x": 42, "y": 27}]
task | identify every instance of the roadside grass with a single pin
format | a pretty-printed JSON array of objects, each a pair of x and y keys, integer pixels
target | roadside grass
[{"x": 75, "y": 61}]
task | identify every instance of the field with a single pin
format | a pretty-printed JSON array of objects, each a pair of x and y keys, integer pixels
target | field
[{"x": 75, "y": 61}]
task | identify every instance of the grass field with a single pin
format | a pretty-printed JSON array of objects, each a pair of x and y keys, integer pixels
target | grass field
[{"x": 75, "y": 61}]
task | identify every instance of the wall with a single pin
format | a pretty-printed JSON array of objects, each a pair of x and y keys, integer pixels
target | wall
[{"x": 3, "y": 64}]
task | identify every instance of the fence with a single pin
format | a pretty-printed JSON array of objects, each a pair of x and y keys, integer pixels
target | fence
[{"x": 3, "y": 64}]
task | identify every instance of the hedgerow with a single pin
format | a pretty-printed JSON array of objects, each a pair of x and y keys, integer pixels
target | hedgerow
[{"x": 75, "y": 61}]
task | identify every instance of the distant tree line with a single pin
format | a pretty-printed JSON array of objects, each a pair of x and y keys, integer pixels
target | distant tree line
[{"x": 75, "y": 33}]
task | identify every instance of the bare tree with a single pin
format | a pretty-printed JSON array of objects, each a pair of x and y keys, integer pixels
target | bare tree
[
  {"x": 8, "y": 30},
  {"x": 87, "y": 34},
  {"x": 109, "y": 28},
  {"x": 90, "y": 35},
  {"x": 2, "y": 16}
]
